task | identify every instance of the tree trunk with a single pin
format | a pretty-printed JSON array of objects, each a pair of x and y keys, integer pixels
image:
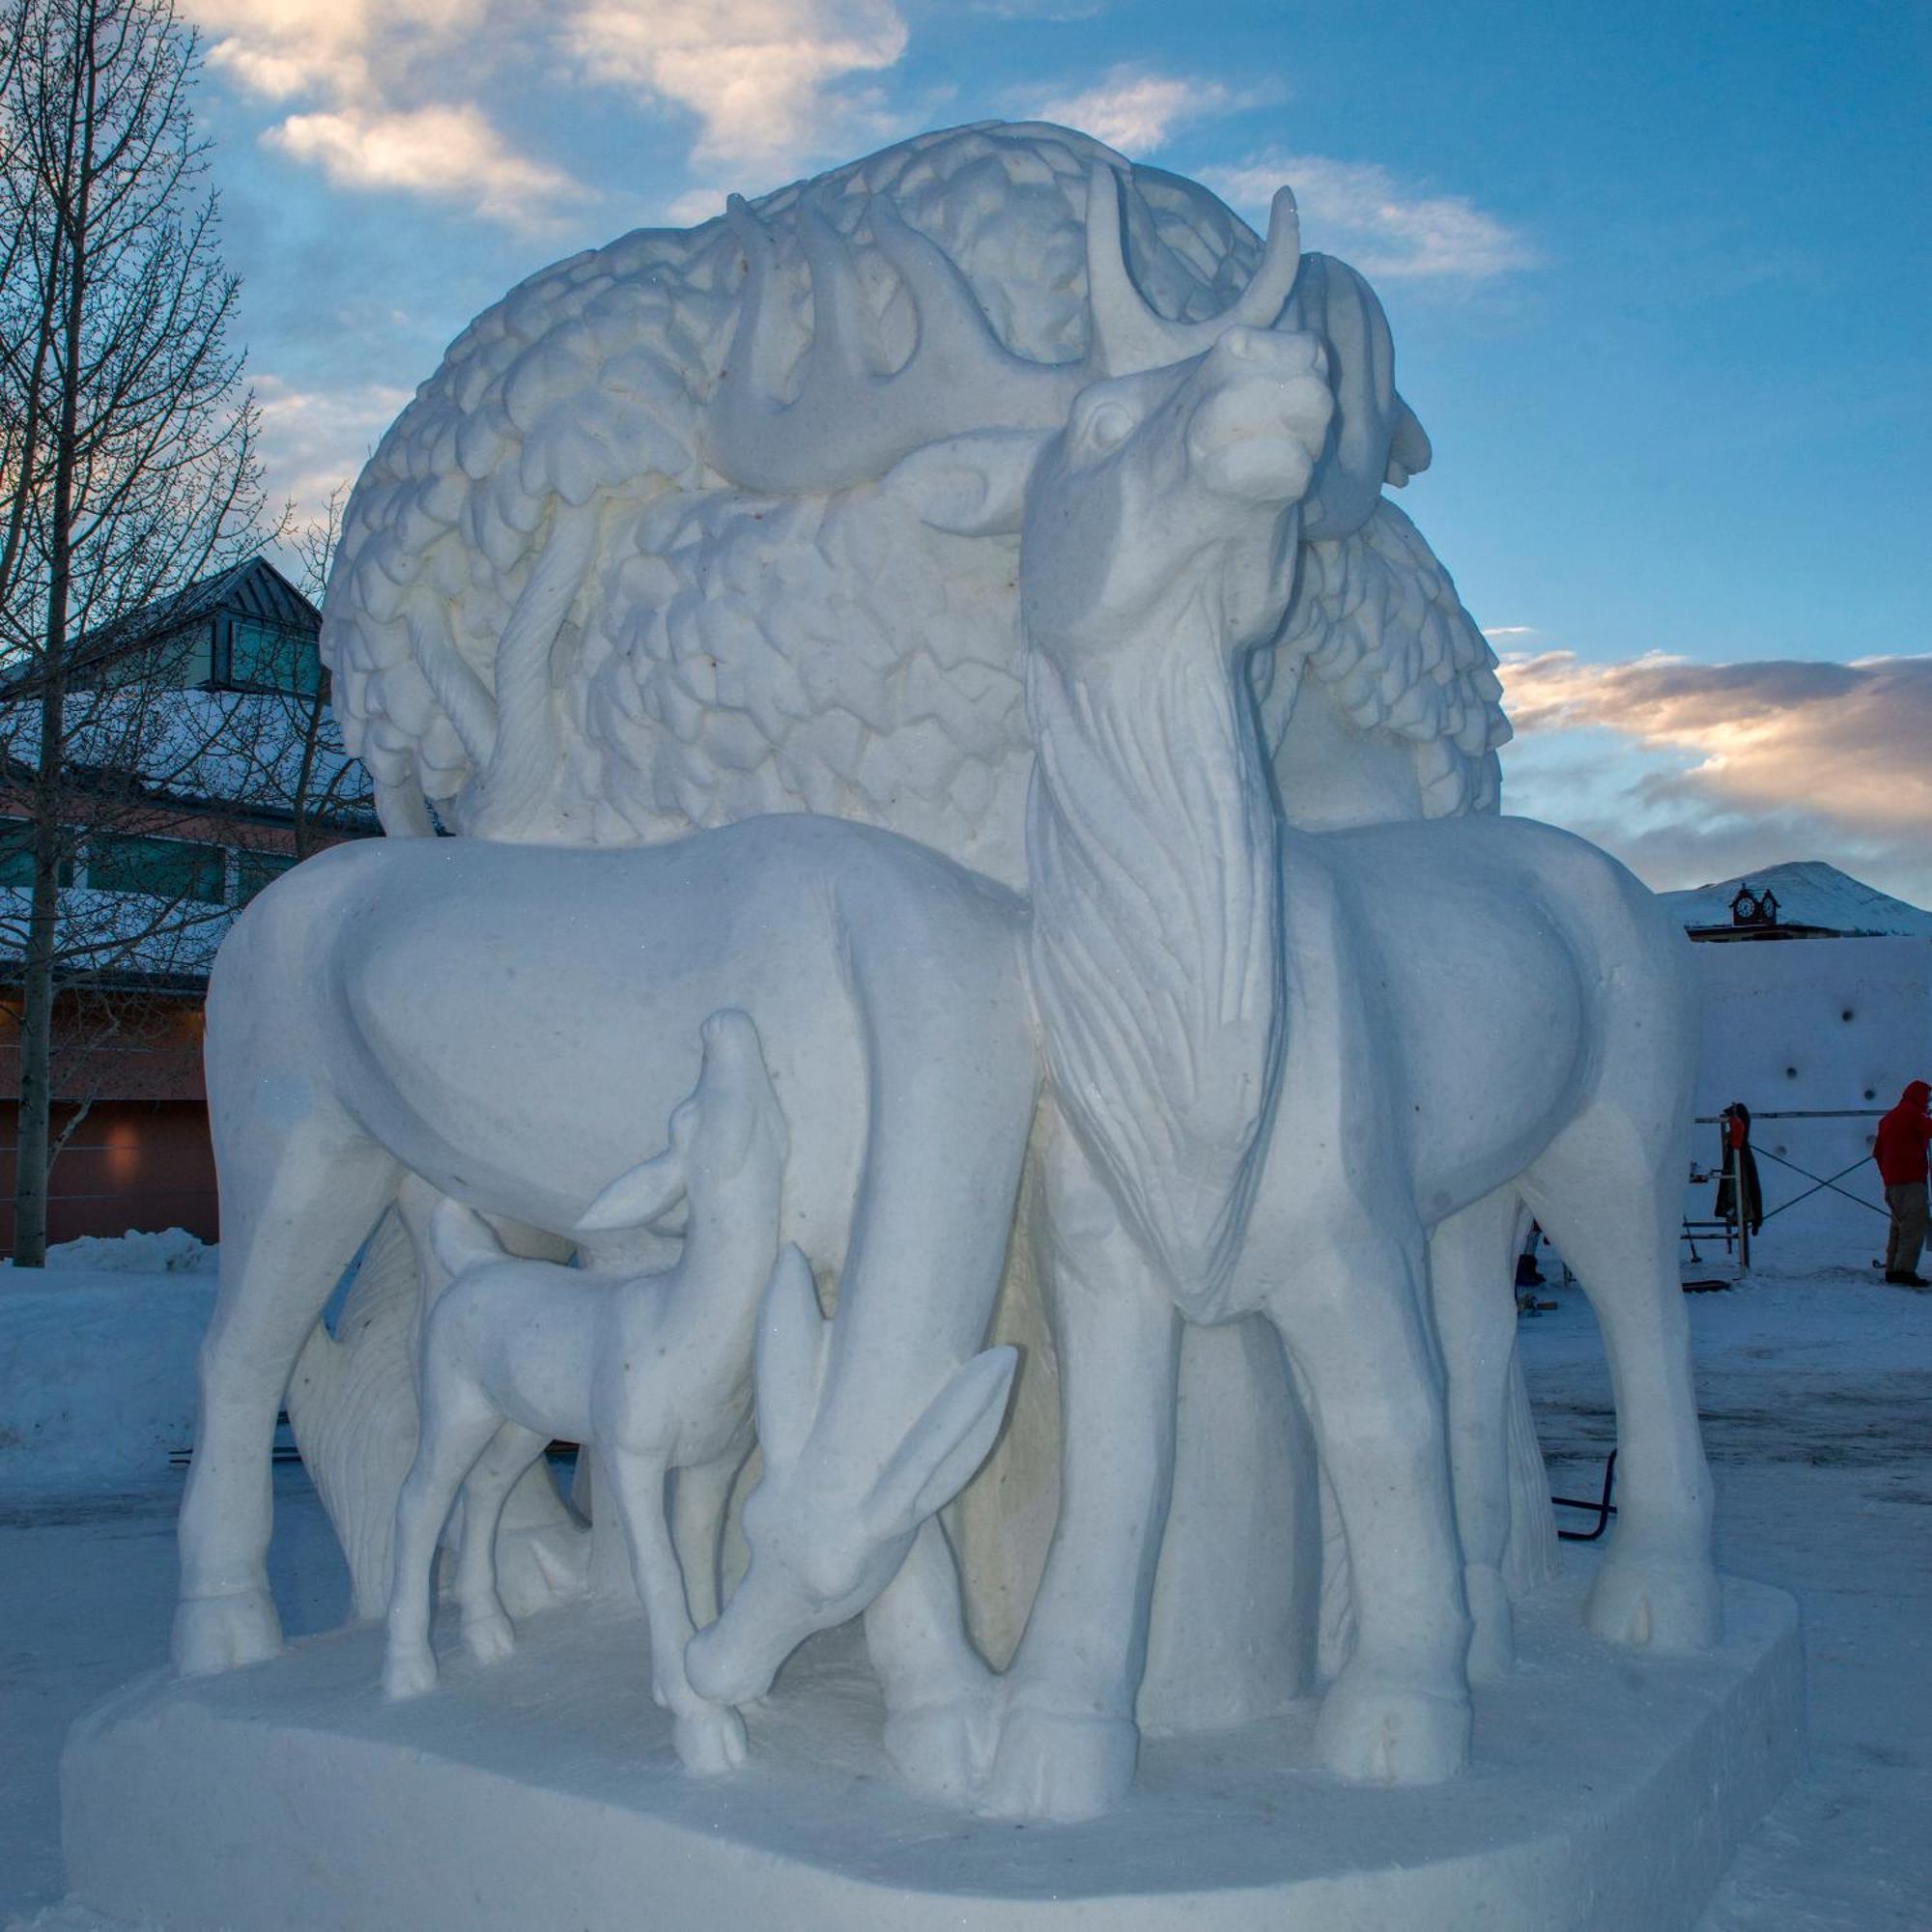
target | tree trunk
[
  {"x": 37, "y": 1011},
  {"x": 36, "y": 990}
]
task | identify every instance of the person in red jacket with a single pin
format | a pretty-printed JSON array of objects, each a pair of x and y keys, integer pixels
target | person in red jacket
[{"x": 1901, "y": 1150}]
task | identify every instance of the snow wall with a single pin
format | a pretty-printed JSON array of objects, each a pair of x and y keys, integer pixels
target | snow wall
[
  {"x": 1804, "y": 1025},
  {"x": 96, "y": 1378}
]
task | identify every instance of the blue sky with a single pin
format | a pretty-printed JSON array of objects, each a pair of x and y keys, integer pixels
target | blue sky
[{"x": 1660, "y": 279}]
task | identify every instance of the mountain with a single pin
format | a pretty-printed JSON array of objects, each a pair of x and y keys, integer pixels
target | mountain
[{"x": 1809, "y": 893}]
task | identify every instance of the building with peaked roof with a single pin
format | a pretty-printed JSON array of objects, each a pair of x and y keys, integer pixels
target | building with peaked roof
[{"x": 201, "y": 761}]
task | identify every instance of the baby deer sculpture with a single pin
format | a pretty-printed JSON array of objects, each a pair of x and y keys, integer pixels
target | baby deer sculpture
[{"x": 653, "y": 1371}]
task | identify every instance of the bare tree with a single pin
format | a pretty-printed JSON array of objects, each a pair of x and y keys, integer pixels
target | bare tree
[
  {"x": 128, "y": 466},
  {"x": 326, "y": 786}
]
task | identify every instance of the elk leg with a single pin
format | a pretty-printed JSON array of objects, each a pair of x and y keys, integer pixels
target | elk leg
[
  {"x": 940, "y": 1716},
  {"x": 487, "y": 1634},
  {"x": 1475, "y": 1323},
  {"x": 297, "y": 1203},
  {"x": 1353, "y": 1321},
  {"x": 1613, "y": 1214},
  {"x": 699, "y": 1497},
  {"x": 1068, "y": 1742},
  {"x": 457, "y": 1427},
  {"x": 710, "y": 1736}
]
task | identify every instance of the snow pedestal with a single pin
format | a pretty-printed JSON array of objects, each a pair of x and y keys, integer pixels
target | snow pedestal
[{"x": 1608, "y": 1791}]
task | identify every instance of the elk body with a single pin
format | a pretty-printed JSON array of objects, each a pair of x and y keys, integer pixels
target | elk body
[
  {"x": 649, "y": 1373},
  {"x": 1389, "y": 1039},
  {"x": 1312, "y": 1077},
  {"x": 887, "y": 988}
]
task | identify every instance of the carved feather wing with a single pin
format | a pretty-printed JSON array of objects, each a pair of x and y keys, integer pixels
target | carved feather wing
[
  {"x": 1380, "y": 699},
  {"x": 574, "y": 392}
]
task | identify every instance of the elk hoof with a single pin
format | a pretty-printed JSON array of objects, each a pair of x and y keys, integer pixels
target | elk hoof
[
  {"x": 1654, "y": 1602},
  {"x": 944, "y": 1751},
  {"x": 408, "y": 1671},
  {"x": 710, "y": 1741},
  {"x": 489, "y": 1639},
  {"x": 1059, "y": 1769},
  {"x": 214, "y": 1634},
  {"x": 1374, "y": 1730}
]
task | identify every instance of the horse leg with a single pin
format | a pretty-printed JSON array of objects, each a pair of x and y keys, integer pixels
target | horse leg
[
  {"x": 1352, "y": 1318},
  {"x": 1068, "y": 1741},
  {"x": 1475, "y": 1324},
  {"x": 298, "y": 1198},
  {"x": 1611, "y": 1208}
]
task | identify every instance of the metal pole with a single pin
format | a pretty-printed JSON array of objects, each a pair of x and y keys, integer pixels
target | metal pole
[{"x": 1742, "y": 1205}]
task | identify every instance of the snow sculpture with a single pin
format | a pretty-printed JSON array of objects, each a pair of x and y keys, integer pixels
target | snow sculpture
[
  {"x": 569, "y": 607},
  {"x": 887, "y": 990},
  {"x": 985, "y": 456},
  {"x": 650, "y": 1371},
  {"x": 1274, "y": 1088}
]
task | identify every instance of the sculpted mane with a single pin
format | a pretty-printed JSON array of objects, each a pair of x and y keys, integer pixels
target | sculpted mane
[{"x": 1150, "y": 838}]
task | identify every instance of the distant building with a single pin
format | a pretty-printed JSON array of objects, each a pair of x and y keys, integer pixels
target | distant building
[
  {"x": 232, "y": 743},
  {"x": 1803, "y": 899},
  {"x": 1832, "y": 1020}
]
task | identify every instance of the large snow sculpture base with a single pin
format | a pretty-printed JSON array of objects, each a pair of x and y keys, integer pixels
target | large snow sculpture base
[{"x": 1608, "y": 1791}]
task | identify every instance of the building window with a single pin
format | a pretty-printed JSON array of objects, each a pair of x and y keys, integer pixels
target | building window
[
  {"x": 16, "y": 857},
  {"x": 254, "y": 870},
  {"x": 164, "y": 868},
  {"x": 177, "y": 661},
  {"x": 259, "y": 656}
]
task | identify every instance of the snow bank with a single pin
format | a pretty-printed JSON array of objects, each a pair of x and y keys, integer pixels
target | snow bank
[
  {"x": 97, "y": 1375},
  {"x": 172, "y": 1251}
]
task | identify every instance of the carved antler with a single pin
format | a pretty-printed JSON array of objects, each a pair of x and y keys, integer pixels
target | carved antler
[
  {"x": 849, "y": 422},
  {"x": 1127, "y": 333}
]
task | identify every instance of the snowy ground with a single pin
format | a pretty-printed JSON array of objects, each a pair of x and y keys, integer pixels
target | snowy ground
[{"x": 1817, "y": 1382}]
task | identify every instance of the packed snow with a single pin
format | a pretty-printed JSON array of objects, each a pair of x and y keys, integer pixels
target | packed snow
[
  {"x": 97, "y": 1361},
  {"x": 172, "y": 1251},
  {"x": 1816, "y": 1385}
]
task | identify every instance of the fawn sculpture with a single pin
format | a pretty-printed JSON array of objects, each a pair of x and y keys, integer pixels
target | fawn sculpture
[{"x": 651, "y": 1369}]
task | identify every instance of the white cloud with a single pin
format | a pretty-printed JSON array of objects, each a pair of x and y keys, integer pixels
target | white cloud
[
  {"x": 1361, "y": 211},
  {"x": 318, "y": 439},
  {"x": 759, "y": 75},
  {"x": 375, "y": 82},
  {"x": 1136, "y": 110},
  {"x": 446, "y": 153},
  {"x": 693, "y": 206},
  {"x": 1050, "y": 13},
  {"x": 1737, "y": 764},
  {"x": 369, "y": 71}
]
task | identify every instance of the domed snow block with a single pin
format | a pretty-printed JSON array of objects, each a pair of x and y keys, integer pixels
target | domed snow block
[{"x": 1609, "y": 1789}]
